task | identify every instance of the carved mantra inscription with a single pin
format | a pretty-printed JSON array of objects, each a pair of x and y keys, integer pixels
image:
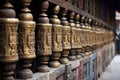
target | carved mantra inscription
[
  {"x": 26, "y": 41},
  {"x": 13, "y": 42},
  {"x": 84, "y": 37},
  {"x": 57, "y": 38},
  {"x": 66, "y": 37},
  {"x": 43, "y": 37},
  {"x": 73, "y": 38},
  {"x": 31, "y": 41},
  {"x": 78, "y": 38}
]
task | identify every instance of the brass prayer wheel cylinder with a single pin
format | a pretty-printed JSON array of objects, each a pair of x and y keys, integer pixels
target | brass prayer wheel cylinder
[
  {"x": 93, "y": 34},
  {"x": 43, "y": 45},
  {"x": 56, "y": 38},
  {"x": 86, "y": 35},
  {"x": 87, "y": 40},
  {"x": 79, "y": 32},
  {"x": 8, "y": 38},
  {"x": 78, "y": 37},
  {"x": 83, "y": 39},
  {"x": 96, "y": 35},
  {"x": 56, "y": 45},
  {"x": 72, "y": 55},
  {"x": 26, "y": 40},
  {"x": 8, "y": 32},
  {"x": 65, "y": 31},
  {"x": 65, "y": 43},
  {"x": 89, "y": 34},
  {"x": 78, "y": 43},
  {"x": 43, "y": 37},
  {"x": 26, "y": 47},
  {"x": 91, "y": 39},
  {"x": 93, "y": 42},
  {"x": 65, "y": 37}
]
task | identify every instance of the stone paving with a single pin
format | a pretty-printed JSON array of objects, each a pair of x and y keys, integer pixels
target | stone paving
[{"x": 112, "y": 72}]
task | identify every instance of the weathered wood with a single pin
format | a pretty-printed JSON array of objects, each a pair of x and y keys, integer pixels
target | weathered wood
[{"x": 75, "y": 9}]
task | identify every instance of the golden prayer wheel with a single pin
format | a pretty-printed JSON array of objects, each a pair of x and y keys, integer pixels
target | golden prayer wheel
[
  {"x": 86, "y": 31},
  {"x": 8, "y": 38},
  {"x": 83, "y": 35},
  {"x": 78, "y": 36},
  {"x": 89, "y": 34},
  {"x": 43, "y": 37},
  {"x": 26, "y": 47},
  {"x": 65, "y": 37},
  {"x": 72, "y": 55},
  {"x": 56, "y": 38},
  {"x": 96, "y": 35}
]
